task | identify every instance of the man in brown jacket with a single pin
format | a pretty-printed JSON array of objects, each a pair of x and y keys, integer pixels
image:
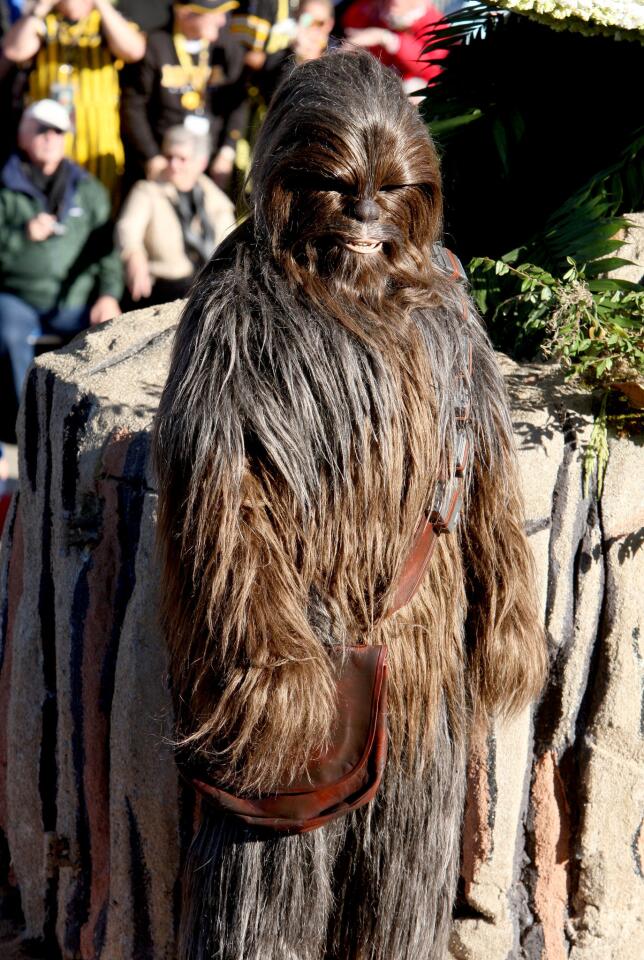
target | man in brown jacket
[{"x": 169, "y": 227}]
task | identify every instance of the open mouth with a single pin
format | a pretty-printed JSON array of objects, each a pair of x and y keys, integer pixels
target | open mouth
[{"x": 364, "y": 246}]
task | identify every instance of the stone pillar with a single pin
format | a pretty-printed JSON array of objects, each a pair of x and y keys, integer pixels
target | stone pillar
[{"x": 94, "y": 816}]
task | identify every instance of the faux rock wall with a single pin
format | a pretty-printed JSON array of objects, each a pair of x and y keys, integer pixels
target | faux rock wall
[{"x": 95, "y": 823}]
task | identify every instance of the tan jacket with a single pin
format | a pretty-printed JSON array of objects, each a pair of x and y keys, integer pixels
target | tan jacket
[{"x": 149, "y": 224}]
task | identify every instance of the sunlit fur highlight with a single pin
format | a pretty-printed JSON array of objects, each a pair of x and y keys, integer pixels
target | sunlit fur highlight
[{"x": 307, "y": 416}]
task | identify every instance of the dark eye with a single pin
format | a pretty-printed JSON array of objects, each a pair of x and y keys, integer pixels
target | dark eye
[
  {"x": 332, "y": 185},
  {"x": 321, "y": 183},
  {"x": 391, "y": 187}
]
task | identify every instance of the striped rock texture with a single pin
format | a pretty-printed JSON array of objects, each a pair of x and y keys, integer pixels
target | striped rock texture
[{"x": 94, "y": 821}]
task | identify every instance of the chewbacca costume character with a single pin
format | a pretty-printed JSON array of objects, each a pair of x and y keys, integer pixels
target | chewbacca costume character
[{"x": 314, "y": 403}]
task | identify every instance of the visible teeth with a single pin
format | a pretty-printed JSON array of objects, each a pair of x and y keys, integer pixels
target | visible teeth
[{"x": 364, "y": 246}]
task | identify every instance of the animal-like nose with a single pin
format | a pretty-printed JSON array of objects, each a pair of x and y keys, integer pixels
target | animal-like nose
[{"x": 367, "y": 211}]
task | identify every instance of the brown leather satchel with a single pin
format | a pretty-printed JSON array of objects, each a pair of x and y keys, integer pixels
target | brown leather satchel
[
  {"x": 342, "y": 779},
  {"x": 348, "y": 775}
]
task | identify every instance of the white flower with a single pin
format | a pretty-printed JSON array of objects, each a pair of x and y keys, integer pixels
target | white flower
[{"x": 615, "y": 17}]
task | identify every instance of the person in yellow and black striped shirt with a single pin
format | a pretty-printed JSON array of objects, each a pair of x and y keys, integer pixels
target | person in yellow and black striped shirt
[
  {"x": 75, "y": 48},
  {"x": 264, "y": 27}
]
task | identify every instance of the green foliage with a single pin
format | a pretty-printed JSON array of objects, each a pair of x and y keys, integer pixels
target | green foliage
[
  {"x": 543, "y": 159},
  {"x": 585, "y": 230},
  {"x": 534, "y": 174},
  {"x": 449, "y": 111},
  {"x": 593, "y": 325},
  {"x": 613, "y": 410},
  {"x": 587, "y": 225}
]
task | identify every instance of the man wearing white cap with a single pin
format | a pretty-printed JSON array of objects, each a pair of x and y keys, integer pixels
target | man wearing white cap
[
  {"x": 58, "y": 270},
  {"x": 73, "y": 51}
]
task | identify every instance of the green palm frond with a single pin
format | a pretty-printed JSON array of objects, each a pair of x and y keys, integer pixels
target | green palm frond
[
  {"x": 587, "y": 226},
  {"x": 459, "y": 28},
  {"x": 462, "y": 26},
  {"x": 541, "y": 159}
]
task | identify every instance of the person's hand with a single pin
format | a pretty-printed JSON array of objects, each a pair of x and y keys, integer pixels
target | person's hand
[
  {"x": 155, "y": 166},
  {"x": 105, "y": 308},
  {"x": 221, "y": 168},
  {"x": 255, "y": 59},
  {"x": 137, "y": 274},
  {"x": 374, "y": 37},
  {"x": 41, "y": 227},
  {"x": 41, "y": 8},
  {"x": 4, "y": 467}
]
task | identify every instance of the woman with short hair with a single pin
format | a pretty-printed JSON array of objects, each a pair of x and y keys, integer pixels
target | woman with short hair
[{"x": 169, "y": 227}]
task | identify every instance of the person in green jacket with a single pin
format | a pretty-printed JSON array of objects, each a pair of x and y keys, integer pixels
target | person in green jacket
[{"x": 58, "y": 269}]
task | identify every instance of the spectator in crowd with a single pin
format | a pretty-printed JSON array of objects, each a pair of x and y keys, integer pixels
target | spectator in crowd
[
  {"x": 313, "y": 28},
  {"x": 11, "y": 91},
  {"x": 168, "y": 228},
  {"x": 263, "y": 27},
  {"x": 58, "y": 269},
  {"x": 73, "y": 49},
  {"x": 396, "y": 31},
  {"x": 192, "y": 76}
]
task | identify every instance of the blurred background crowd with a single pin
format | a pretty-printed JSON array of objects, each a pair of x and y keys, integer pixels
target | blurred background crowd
[{"x": 129, "y": 127}]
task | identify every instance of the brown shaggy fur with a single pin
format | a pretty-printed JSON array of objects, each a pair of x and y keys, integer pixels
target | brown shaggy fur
[{"x": 309, "y": 412}]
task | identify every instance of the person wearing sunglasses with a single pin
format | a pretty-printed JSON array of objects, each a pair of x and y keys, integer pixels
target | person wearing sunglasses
[
  {"x": 72, "y": 51},
  {"x": 58, "y": 270}
]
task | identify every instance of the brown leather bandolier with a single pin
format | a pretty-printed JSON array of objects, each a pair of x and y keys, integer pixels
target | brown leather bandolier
[
  {"x": 348, "y": 774},
  {"x": 446, "y": 504}
]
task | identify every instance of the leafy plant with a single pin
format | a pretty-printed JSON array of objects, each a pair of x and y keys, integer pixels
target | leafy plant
[
  {"x": 588, "y": 226},
  {"x": 593, "y": 325},
  {"x": 542, "y": 180},
  {"x": 533, "y": 172}
]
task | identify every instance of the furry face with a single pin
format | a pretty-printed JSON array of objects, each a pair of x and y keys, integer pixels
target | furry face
[{"x": 347, "y": 184}]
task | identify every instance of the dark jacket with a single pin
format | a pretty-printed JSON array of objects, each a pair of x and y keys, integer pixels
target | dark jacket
[
  {"x": 151, "y": 95},
  {"x": 70, "y": 269},
  {"x": 277, "y": 66}
]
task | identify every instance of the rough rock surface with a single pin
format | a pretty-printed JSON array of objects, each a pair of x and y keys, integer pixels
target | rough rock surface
[
  {"x": 632, "y": 249},
  {"x": 95, "y": 822}
]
